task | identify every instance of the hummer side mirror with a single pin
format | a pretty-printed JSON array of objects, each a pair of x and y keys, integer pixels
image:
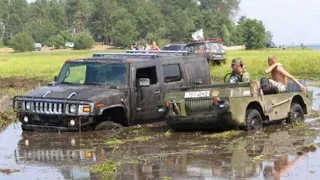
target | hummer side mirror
[
  {"x": 55, "y": 78},
  {"x": 144, "y": 82}
]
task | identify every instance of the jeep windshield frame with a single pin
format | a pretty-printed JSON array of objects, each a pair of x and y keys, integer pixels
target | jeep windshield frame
[
  {"x": 94, "y": 73},
  {"x": 214, "y": 46},
  {"x": 203, "y": 46}
]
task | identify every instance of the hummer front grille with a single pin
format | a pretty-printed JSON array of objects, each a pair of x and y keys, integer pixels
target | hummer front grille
[
  {"x": 47, "y": 108},
  {"x": 51, "y": 155}
]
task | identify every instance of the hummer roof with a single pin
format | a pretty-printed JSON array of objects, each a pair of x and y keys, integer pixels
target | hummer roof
[{"x": 131, "y": 56}]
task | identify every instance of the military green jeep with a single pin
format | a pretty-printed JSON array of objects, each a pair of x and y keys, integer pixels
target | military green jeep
[{"x": 229, "y": 106}]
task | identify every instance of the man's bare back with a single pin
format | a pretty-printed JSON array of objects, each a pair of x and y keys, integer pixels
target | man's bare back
[{"x": 279, "y": 74}]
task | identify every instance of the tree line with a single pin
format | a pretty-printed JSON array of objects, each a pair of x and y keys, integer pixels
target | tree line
[{"x": 122, "y": 22}]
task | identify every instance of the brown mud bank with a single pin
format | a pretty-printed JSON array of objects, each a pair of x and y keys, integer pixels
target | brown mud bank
[
  {"x": 21, "y": 83},
  {"x": 10, "y": 87}
]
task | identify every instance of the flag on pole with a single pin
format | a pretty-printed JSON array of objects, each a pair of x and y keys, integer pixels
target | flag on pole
[{"x": 198, "y": 34}]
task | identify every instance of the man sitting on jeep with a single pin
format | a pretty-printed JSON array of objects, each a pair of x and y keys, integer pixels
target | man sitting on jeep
[
  {"x": 239, "y": 74},
  {"x": 280, "y": 75}
]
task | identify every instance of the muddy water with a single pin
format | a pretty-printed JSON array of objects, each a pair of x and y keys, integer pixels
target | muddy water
[
  {"x": 316, "y": 97},
  {"x": 150, "y": 152}
]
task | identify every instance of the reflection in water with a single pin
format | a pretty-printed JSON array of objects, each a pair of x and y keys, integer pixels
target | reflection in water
[{"x": 180, "y": 156}]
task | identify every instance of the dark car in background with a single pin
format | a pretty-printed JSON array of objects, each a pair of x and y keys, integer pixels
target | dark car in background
[
  {"x": 210, "y": 48},
  {"x": 174, "y": 47},
  {"x": 271, "y": 45}
]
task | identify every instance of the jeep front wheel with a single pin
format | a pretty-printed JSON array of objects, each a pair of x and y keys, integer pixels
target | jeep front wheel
[
  {"x": 296, "y": 113},
  {"x": 254, "y": 120}
]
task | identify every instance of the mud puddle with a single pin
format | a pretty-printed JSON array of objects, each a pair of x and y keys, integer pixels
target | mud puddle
[
  {"x": 154, "y": 152},
  {"x": 316, "y": 95}
]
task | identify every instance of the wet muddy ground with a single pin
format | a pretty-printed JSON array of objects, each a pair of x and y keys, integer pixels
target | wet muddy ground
[{"x": 155, "y": 152}]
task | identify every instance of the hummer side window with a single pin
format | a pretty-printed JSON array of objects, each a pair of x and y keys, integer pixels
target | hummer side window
[
  {"x": 171, "y": 73},
  {"x": 149, "y": 72}
]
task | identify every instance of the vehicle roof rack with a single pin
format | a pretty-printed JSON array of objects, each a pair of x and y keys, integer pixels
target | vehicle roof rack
[
  {"x": 218, "y": 40},
  {"x": 126, "y": 55},
  {"x": 159, "y": 52}
]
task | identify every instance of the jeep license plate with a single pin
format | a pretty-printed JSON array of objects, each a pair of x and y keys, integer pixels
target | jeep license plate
[{"x": 197, "y": 94}]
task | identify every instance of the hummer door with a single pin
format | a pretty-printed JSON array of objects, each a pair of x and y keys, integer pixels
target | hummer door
[{"x": 148, "y": 96}]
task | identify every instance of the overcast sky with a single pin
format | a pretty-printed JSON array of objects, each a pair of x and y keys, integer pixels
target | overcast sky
[{"x": 290, "y": 21}]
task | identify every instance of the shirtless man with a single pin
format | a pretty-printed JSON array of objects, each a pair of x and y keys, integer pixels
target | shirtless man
[{"x": 280, "y": 75}]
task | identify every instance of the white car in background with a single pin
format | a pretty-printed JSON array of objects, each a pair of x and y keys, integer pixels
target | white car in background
[{"x": 69, "y": 44}]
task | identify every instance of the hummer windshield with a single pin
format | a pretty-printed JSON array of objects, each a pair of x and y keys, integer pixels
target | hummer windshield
[{"x": 94, "y": 73}]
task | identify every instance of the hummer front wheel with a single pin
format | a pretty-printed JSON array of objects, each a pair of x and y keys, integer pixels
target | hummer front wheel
[{"x": 108, "y": 125}]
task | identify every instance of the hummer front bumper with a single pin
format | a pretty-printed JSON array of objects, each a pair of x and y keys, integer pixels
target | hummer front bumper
[{"x": 35, "y": 122}]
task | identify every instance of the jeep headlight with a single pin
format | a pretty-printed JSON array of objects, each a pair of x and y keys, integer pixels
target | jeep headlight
[
  {"x": 28, "y": 106},
  {"x": 73, "y": 108}
]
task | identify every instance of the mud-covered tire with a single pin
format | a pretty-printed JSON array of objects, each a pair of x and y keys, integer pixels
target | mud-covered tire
[
  {"x": 296, "y": 113},
  {"x": 254, "y": 120},
  {"x": 107, "y": 125}
]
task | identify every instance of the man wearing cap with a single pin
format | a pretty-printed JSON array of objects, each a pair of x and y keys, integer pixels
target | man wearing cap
[{"x": 239, "y": 74}]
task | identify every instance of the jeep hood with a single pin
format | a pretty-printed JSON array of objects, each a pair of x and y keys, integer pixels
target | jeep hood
[{"x": 93, "y": 93}]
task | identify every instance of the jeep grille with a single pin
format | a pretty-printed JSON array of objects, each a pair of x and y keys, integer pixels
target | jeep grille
[{"x": 199, "y": 105}]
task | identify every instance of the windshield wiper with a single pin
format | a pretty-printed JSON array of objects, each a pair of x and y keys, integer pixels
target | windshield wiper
[
  {"x": 66, "y": 83},
  {"x": 93, "y": 84}
]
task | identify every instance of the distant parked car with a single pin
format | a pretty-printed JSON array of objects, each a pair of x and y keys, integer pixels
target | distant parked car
[
  {"x": 174, "y": 47},
  {"x": 271, "y": 45},
  {"x": 69, "y": 44},
  {"x": 210, "y": 48},
  {"x": 37, "y": 46}
]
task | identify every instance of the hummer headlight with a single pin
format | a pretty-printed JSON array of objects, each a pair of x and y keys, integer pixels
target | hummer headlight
[
  {"x": 28, "y": 106},
  {"x": 73, "y": 108}
]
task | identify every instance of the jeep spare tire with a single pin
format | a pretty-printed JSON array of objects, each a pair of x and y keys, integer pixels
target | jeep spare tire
[{"x": 254, "y": 120}]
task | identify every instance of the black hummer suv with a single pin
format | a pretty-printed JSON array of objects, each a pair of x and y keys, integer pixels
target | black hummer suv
[
  {"x": 210, "y": 48},
  {"x": 124, "y": 88}
]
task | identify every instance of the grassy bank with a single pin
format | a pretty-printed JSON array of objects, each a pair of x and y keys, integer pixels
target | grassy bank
[
  {"x": 303, "y": 64},
  {"x": 40, "y": 65},
  {"x": 44, "y": 65}
]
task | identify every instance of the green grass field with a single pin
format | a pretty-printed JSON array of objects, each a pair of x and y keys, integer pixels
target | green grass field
[{"x": 304, "y": 64}]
